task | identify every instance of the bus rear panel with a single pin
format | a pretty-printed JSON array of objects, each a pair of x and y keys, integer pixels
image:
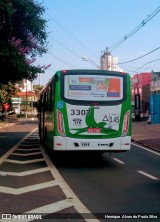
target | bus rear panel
[{"x": 91, "y": 111}]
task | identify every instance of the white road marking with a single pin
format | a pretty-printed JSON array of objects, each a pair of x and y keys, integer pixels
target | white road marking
[
  {"x": 25, "y": 173},
  {"x": 28, "y": 145},
  {"x": 31, "y": 149},
  {"x": 14, "y": 147},
  {"x": 18, "y": 191},
  {"x": 119, "y": 161},
  {"x": 148, "y": 175},
  {"x": 54, "y": 207},
  {"x": 77, "y": 204},
  {"x": 147, "y": 149},
  {"x": 71, "y": 201},
  {"x": 23, "y": 162},
  {"x": 48, "y": 209},
  {"x": 25, "y": 154}
]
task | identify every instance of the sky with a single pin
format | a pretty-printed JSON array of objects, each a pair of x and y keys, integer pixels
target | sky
[{"x": 85, "y": 28}]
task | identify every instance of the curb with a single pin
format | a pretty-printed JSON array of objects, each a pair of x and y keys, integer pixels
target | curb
[{"x": 146, "y": 145}]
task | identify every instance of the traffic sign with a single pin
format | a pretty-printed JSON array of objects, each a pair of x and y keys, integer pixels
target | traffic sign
[{"x": 6, "y": 106}]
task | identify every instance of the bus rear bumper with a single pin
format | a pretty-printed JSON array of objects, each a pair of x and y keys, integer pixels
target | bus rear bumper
[{"x": 114, "y": 144}]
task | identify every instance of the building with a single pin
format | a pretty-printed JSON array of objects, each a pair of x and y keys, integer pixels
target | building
[
  {"x": 26, "y": 86},
  {"x": 155, "y": 83},
  {"x": 109, "y": 62},
  {"x": 140, "y": 84},
  {"x": 16, "y": 104},
  {"x": 23, "y": 102}
]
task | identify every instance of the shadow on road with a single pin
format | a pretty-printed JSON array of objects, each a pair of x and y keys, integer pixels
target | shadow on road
[{"x": 81, "y": 159}]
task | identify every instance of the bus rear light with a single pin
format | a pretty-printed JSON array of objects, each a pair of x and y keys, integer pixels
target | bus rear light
[
  {"x": 125, "y": 144},
  {"x": 126, "y": 123},
  {"x": 60, "y": 123},
  {"x": 64, "y": 71},
  {"x": 58, "y": 144}
]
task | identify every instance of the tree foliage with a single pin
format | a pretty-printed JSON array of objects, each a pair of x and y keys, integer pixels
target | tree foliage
[
  {"x": 37, "y": 89},
  {"x": 22, "y": 37},
  {"x": 6, "y": 91}
]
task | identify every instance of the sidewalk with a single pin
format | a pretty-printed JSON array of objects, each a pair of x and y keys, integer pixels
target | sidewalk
[
  {"x": 4, "y": 124},
  {"x": 146, "y": 134}
]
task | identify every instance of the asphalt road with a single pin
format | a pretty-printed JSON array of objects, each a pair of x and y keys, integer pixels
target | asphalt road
[
  {"x": 110, "y": 184},
  {"x": 11, "y": 135},
  {"x": 30, "y": 185},
  {"x": 118, "y": 183}
]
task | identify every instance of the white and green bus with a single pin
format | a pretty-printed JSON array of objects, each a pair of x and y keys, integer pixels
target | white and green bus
[{"x": 86, "y": 110}]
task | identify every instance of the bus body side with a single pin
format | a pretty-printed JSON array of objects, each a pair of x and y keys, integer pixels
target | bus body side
[
  {"x": 46, "y": 114},
  {"x": 69, "y": 124}
]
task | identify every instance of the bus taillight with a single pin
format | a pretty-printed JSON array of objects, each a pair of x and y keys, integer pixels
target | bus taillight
[
  {"x": 64, "y": 71},
  {"x": 58, "y": 144},
  {"x": 60, "y": 123},
  {"x": 126, "y": 123}
]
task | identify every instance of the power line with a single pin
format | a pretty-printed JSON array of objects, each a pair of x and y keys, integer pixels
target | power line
[
  {"x": 61, "y": 60},
  {"x": 130, "y": 69},
  {"x": 71, "y": 51},
  {"x": 139, "y": 57},
  {"x": 71, "y": 35},
  {"x": 145, "y": 21},
  {"x": 65, "y": 47},
  {"x": 144, "y": 65}
]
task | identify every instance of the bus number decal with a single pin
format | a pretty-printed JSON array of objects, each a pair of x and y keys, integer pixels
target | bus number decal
[
  {"x": 84, "y": 144},
  {"x": 79, "y": 112},
  {"x": 77, "y": 122},
  {"x": 111, "y": 118}
]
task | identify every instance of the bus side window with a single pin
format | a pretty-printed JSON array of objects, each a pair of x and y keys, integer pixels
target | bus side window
[
  {"x": 52, "y": 96},
  {"x": 48, "y": 99},
  {"x": 44, "y": 103},
  {"x": 50, "y": 102}
]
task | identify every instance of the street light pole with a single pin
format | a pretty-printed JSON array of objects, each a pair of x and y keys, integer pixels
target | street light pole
[
  {"x": 90, "y": 60},
  {"x": 31, "y": 98}
]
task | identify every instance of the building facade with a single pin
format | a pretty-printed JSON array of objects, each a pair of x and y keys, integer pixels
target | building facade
[
  {"x": 109, "y": 62},
  {"x": 140, "y": 84},
  {"x": 155, "y": 83},
  {"x": 23, "y": 102}
]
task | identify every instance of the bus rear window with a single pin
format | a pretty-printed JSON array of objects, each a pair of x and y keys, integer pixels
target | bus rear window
[{"x": 98, "y": 88}]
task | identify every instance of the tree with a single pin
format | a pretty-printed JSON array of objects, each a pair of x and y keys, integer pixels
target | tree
[
  {"x": 22, "y": 37},
  {"x": 37, "y": 89},
  {"x": 6, "y": 91}
]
